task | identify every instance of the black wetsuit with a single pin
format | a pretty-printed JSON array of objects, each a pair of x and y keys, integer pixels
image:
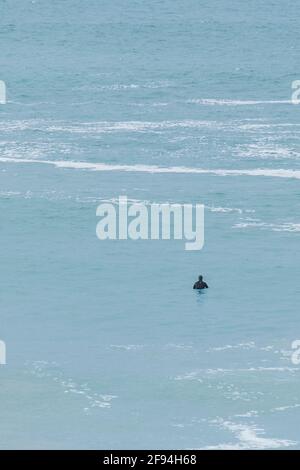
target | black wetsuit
[{"x": 200, "y": 285}]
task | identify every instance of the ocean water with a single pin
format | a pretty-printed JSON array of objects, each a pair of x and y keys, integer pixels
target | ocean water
[{"x": 177, "y": 101}]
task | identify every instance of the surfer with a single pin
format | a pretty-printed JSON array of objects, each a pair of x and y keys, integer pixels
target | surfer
[{"x": 200, "y": 284}]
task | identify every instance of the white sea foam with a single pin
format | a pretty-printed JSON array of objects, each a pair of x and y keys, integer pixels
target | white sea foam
[
  {"x": 127, "y": 86},
  {"x": 287, "y": 407},
  {"x": 8, "y": 194},
  {"x": 273, "y": 128},
  {"x": 189, "y": 376},
  {"x": 99, "y": 127},
  {"x": 184, "y": 347},
  {"x": 273, "y": 369},
  {"x": 200, "y": 373},
  {"x": 249, "y": 345},
  {"x": 90, "y": 128},
  {"x": 248, "y": 437},
  {"x": 126, "y": 347},
  {"x": 248, "y": 414},
  {"x": 131, "y": 126},
  {"x": 44, "y": 369},
  {"x": 79, "y": 165},
  {"x": 285, "y": 227},
  {"x": 267, "y": 348},
  {"x": 229, "y": 102},
  {"x": 54, "y": 195},
  {"x": 35, "y": 150},
  {"x": 224, "y": 209},
  {"x": 267, "y": 152}
]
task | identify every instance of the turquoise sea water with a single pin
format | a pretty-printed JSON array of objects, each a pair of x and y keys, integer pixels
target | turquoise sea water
[{"x": 107, "y": 344}]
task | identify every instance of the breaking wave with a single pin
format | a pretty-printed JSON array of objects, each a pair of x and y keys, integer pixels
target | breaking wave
[{"x": 267, "y": 172}]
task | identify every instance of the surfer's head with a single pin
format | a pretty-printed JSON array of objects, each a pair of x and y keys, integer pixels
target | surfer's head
[{"x": 200, "y": 278}]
